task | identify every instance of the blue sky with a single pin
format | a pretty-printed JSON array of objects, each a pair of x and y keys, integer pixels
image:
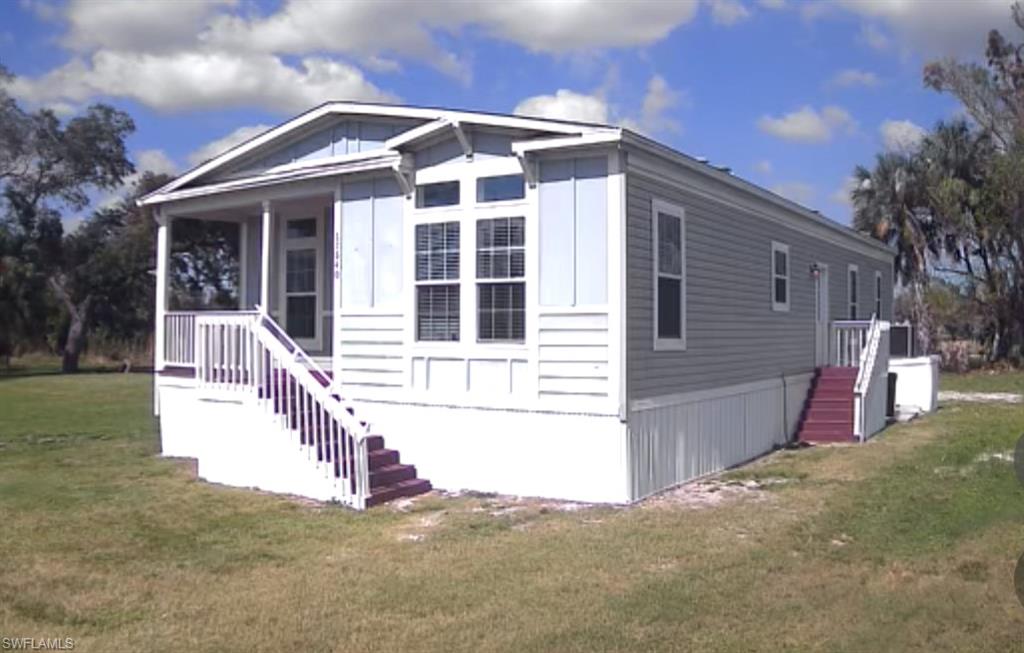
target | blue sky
[{"x": 791, "y": 95}]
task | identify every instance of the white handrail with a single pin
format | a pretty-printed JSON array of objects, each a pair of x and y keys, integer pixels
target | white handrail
[{"x": 865, "y": 374}]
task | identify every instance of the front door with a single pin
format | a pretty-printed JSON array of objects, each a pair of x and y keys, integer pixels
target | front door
[
  {"x": 301, "y": 280},
  {"x": 821, "y": 318}
]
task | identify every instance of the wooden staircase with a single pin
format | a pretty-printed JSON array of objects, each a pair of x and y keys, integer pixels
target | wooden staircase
[
  {"x": 828, "y": 411},
  {"x": 390, "y": 479}
]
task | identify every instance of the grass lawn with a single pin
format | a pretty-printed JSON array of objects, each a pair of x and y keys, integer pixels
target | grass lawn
[
  {"x": 906, "y": 543},
  {"x": 984, "y": 381}
]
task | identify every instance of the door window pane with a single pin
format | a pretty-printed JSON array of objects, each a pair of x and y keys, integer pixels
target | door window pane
[
  {"x": 300, "y": 271},
  {"x": 301, "y": 318}
]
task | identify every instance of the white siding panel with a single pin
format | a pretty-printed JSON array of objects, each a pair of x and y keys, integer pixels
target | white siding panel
[
  {"x": 591, "y": 231},
  {"x": 573, "y": 352},
  {"x": 357, "y": 245},
  {"x": 387, "y": 243},
  {"x": 372, "y": 347},
  {"x": 557, "y": 233}
]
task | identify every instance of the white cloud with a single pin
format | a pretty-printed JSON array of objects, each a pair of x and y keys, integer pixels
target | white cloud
[
  {"x": 797, "y": 191},
  {"x": 728, "y": 12},
  {"x": 874, "y": 37},
  {"x": 930, "y": 28},
  {"x": 806, "y": 125},
  {"x": 155, "y": 161},
  {"x": 900, "y": 135},
  {"x": 221, "y": 145},
  {"x": 764, "y": 166},
  {"x": 854, "y": 77},
  {"x": 201, "y": 80},
  {"x": 172, "y": 55},
  {"x": 842, "y": 194},
  {"x": 565, "y": 105},
  {"x": 150, "y": 26}
]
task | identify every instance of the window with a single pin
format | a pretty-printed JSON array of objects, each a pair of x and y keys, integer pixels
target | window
[
  {"x": 500, "y": 189},
  {"x": 780, "y": 277},
  {"x": 301, "y": 228},
  {"x": 500, "y": 256},
  {"x": 852, "y": 291},
  {"x": 878, "y": 295},
  {"x": 445, "y": 193},
  {"x": 670, "y": 276},
  {"x": 437, "y": 262}
]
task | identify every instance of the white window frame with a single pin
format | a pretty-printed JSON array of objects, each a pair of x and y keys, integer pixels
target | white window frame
[
  {"x": 674, "y": 210},
  {"x": 852, "y": 298},
  {"x": 878, "y": 294},
  {"x": 782, "y": 307},
  {"x": 457, "y": 282}
]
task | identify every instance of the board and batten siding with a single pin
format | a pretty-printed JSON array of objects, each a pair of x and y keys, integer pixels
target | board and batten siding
[{"x": 737, "y": 389}]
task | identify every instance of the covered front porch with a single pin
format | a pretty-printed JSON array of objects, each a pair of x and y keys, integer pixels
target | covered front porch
[{"x": 275, "y": 255}]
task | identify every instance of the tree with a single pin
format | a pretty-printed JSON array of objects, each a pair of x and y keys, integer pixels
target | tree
[
  {"x": 889, "y": 202},
  {"x": 46, "y": 167}
]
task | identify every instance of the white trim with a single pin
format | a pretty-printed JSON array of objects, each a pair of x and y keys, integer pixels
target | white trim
[
  {"x": 778, "y": 306},
  {"x": 855, "y": 302},
  {"x": 679, "y": 171},
  {"x": 521, "y": 148},
  {"x": 267, "y": 220},
  {"x": 425, "y": 130},
  {"x": 617, "y": 283},
  {"x": 681, "y": 398},
  {"x": 336, "y": 349},
  {"x": 376, "y": 110},
  {"x": 315, "y": 243},
  {"x": 822, "y": 282},
  {"x": 316, "y": 168},
  {"x": 673, "y": 210}
]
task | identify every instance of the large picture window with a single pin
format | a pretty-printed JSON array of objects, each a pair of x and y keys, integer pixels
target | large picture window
[
  {"x": 669, "y": 237},
  {"x": 501, "y": 299},
  {"x": 437, "y": 265},
  {"x": 780, "y": 277}
]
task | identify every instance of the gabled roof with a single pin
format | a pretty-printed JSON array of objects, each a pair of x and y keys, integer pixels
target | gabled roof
[{"x": 435, "y": 118}]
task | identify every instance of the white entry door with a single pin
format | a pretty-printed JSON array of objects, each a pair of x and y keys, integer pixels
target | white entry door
[
  {"x": 821, "y": 315},
  {"x": 301, "y": 280}
]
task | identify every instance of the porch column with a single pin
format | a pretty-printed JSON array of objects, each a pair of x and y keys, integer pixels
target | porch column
[
  {"x": 163, "y": 257},
  {"x": 265, "y": 258},
  {"x": 336, "y": 295}
]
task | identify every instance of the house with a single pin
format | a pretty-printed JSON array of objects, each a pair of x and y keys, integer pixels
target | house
[{"x": 507, "y": 304}]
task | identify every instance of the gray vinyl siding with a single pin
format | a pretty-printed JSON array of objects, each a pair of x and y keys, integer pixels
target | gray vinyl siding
[{"x": 733, "y": 336}]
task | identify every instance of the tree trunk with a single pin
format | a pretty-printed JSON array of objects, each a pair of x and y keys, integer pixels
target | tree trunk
[
  {"x": 75, "y": 343},
  {"x": 922, "y": 319},
  {"x": 77, "y": 331}
]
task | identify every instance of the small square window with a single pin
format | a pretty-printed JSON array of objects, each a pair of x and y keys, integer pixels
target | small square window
[
  {"x": 445, "y": 193},
  {"x": 500, "y": 189}
]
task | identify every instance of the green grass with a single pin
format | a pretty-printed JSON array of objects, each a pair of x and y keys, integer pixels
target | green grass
[
  {"x": 984, "y": 381},
  {"x": 905, "y": 543}
]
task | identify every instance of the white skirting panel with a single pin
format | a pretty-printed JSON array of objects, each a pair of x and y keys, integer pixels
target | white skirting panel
[
  {"x": 235, "y": 442},
  {"x": 527, "y": 453},
  {"x": 677, "y": 438}
]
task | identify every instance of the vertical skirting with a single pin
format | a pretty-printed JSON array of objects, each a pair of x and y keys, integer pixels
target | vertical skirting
[{"x": 675, "y": 439}]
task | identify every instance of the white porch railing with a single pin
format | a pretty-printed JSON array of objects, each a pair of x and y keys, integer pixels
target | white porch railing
[
  {"x": 179, "y": 338},
  {"x": 869, "y": 389},
  {"x": 249, "y": 354},
  {"x": 849, "y": 337}
]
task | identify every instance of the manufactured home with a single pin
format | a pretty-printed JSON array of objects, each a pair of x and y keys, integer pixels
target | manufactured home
[{"x": 428, "y": 297}]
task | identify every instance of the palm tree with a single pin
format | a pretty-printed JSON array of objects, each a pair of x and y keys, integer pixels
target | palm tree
[{"x": 890, "y": 203}]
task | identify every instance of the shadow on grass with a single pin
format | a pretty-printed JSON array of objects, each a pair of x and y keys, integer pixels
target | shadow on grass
[{"x": 18, "y": 372}]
